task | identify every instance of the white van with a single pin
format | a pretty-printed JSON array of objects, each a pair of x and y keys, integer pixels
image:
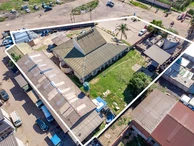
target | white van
[
  {"x": 16, "y": 119},
  {"x": 47, "y": 114}
]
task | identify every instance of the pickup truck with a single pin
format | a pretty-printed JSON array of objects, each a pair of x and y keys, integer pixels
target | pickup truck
[{"x": 55, "y": 140}]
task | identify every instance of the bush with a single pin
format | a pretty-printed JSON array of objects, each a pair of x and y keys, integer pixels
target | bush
[
  {"x": 138, "y": 82},
  {"x": 139, "y": 5},
  {"x": 173, "y": 31},
  {"x": 2, "y": 19},
  {"x": 85, "y": 7},
  {"x": 191, "y": 12}
]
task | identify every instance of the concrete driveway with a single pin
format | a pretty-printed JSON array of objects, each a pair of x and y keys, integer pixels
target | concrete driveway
[
  {"x": 61, "y": 15},
  {"x": 29, "y": 132}
]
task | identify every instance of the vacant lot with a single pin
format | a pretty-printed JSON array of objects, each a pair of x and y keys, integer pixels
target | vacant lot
[{"x": 115, "y": 79}]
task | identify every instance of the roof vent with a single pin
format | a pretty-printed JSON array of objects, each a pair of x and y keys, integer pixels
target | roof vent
[
  {"x": 43, "y": 71},
  {"x": 53, "y": 84}
]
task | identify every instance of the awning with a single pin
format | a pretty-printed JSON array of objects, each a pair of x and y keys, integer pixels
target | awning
[
  {"x": 21, "y": 81},
  {"x": 157, "y": 54},
  {"x": 100, "y": 103}
]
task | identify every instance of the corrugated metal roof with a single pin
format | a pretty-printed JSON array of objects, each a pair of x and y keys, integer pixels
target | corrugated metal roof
[
  {"x": 58, "y": 90},
  {"x": 9, "y": 141},
  {"x": 153, "y": 109},
  {"x": 177, "y": 128},
  {"x": 90, "y": 40},
  {"x": 1, "y": 115},
  {"x": 78, "y": 62},
  {"x": 157, "y": 54},
  {"x": 62, "y": 94},
  {"x": 21, "y": 81}
]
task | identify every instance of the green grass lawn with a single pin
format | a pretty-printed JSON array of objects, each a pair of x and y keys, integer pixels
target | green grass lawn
[
  {"x": 138, "y": 4},
  {"x": 17, "y": 4},
  {"x": 87, "y": 7},
  {"x": 116, "y": 79}
]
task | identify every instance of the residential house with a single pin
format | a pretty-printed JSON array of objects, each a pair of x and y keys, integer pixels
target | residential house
[{"x": 88, "y": 53}]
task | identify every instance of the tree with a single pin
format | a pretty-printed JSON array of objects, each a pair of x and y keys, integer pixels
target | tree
[
  {"x": 138, "y": 82},
  {"x": 157, "y": 23},
  {"x": 122, "y": 28},
  {"x": 15, "y": 58}
]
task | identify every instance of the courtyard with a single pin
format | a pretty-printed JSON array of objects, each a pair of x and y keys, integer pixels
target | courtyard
[{"x": 111, "y": 84}]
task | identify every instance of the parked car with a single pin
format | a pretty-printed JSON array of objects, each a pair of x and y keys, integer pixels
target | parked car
[
  {"x": 43, "y": 126},
  {"x": 51, "y": 47},
  {"x": 55, "y": 140},
  {"x": 110, "y": 4},
  {"x": 47, "y": 8},
  {"x": 142, "y": 32},
  {"x": 47, "y": 114},
  {"x": 13, "y": 11},
  {"x": 27, "y": 10},
  {"x": 39, "y": 104},
  {"x": 179, "y": 17},
  {"x": 16, "y": 119},
  {"x": 3, "y": 95},
  {"x": 152, "y": 68},
  {"x": 7, "y": 46},
  {"x": 36, "y": 7}
]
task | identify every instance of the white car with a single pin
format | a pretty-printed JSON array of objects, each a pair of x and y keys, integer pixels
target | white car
[{"x": 142, "y": 32}]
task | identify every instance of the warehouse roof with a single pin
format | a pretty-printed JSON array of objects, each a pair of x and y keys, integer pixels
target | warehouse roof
[
  {"x": 61, "y": 93},
  {"x": 91, "y": 61},
  {"x": 153, "y": 109},
  {"x": 9, "y": 141},
  {"x": 177, "y": 128},
  {"x": 157, "y": 54}
]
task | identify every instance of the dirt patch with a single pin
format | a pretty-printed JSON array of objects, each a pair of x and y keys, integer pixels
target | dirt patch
[
  {"x": 94, "y": 81},
  {"x": 111, "y": 134},
  {"x": 3, "y": 1}
]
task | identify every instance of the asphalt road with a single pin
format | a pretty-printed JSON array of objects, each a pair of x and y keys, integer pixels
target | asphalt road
[{"x": 61, "y": 15}]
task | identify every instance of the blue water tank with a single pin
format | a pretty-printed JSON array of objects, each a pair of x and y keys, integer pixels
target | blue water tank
[{"x": 86, "y": 86}]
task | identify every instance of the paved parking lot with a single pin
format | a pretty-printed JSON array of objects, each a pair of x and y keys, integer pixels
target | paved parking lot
[{"x": 29, "y": 132}]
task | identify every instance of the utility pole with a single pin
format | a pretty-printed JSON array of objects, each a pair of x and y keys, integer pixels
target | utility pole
[{"x": 72, "y": 16}]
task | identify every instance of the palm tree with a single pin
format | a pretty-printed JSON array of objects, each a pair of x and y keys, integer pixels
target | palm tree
[{"x": 122, "y": 28}]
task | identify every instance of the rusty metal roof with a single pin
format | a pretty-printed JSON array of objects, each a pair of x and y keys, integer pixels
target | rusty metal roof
[
  {"x": 177, "y": 128},
  {"x": 153, "y": 109}
]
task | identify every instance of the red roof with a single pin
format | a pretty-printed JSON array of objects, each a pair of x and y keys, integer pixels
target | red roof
[{"x": 177, "y": 128}]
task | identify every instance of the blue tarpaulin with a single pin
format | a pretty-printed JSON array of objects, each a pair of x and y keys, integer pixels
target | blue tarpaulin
[
  {"x": 55, "y": 140},
  {"x": 100, "y": 103}
]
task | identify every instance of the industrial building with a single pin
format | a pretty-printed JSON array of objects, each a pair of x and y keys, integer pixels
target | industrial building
[
  {"x": 61, "y": 96},
  {"x": 161, "y": 120}
]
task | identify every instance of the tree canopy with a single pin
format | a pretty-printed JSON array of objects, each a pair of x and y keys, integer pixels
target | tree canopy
[
  {"x": 122, "y": 28},
  {"x": 157, "y": 23},
  {"x": 138, "y": 82}
]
